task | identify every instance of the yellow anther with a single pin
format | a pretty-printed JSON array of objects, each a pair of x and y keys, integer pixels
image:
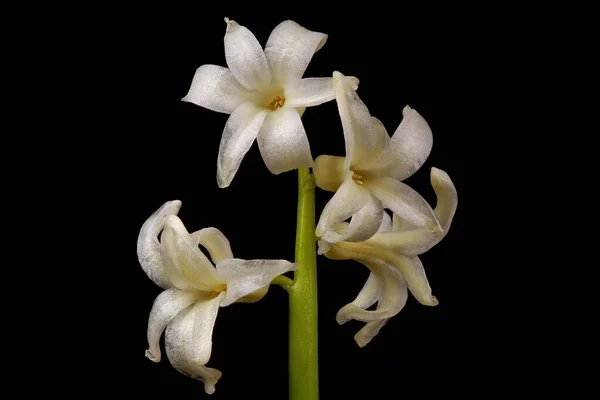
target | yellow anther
[
  {"x": 277, "y": 102},
  {"x": 357, "y": 178}
]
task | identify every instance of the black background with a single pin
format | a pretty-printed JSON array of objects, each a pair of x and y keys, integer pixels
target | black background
[{"x": 158, "y": 148}]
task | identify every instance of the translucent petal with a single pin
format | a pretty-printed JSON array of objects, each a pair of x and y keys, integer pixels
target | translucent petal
[
  {"x": 283, "y": 143},
  {"x": 367, "y": 141},
  {"x": 166, "y": 306},
  {"x": 215, "y": 242},
  {"x": 245, "y": 57},
  {"x": 367, "y": 296},
  {"x": 241, "y": 130},
  {"x": 411, "y": 144},
  {"x": 246, "y": 276},
  {"x": 181, "y": 250},
  {"x": 188, "y": 342},
  {"x": 289, "y": 50},
  {"x": 148, "y": 246},
  {"x": 363, "y": 224},
  {"x": 309, "y": 92},
  {"x": 216, "y": 88},
  {"x": 348, "y": 200},
  {"x": 404, "y": 201},
  {"x": 330, "y": 172}
]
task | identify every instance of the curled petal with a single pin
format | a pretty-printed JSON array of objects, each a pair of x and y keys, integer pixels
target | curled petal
[
  {"x": 404, "y": 201},
  {"x": 410, "y": 240},
  {"x": 166, "y": 307},
  {"x": 289, "y": 49},
  {"x": 349, "y": 198},
  {"x": 367, "y": 296},
  {"x": 240, "y": 131},
  {"x": 371, "y": 329},
  {"x": 215, "y": 242},
  {"x": 411, "y": 144},
  {"x": 216, "y": 88},
  {"x": 148, "y": 246},
  {"x": 245, "y": 57},
  {"x": 283, "y": 143},
  {"x": 363, "y": 224},
  {"x": 386, "y": 223},
  {"x": 413, "y": 272},
  {"x": 188, "y": 342},
  {"x": 367, "y": 141},
  {"x": 188, "y": 266},
  {"x": 246, "y": 276},
  {"x": 309, "y": 92},
  {"x": 330, "y": 172}
]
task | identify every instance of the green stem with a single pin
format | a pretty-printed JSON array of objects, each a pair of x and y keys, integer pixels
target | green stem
[{"x": 303, "y": 357}]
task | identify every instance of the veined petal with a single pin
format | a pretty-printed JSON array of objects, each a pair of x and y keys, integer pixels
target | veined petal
[
  {"x": 245, "y": 57},
  {"x": 367, "y": 141},
  {"x": 181, "y": 251},
  {"x": 166, "y": 306},
  {"x": 246, "y": 276},
  {"x": 330, "y": 172},
  {"x": 188, "y": 342},
  {"x": 215, "y": 242},
  {"x": 283, "y": 143},
  {"x": 216, "y": 88},
  {"x": 363, "y": 224},
  {"x": 411, "y": 144},
  {"x": 413, "y": 272},
  {"x": 411, "y": 240},
  {"x": 309, "y": 92},
  {"x": 241, "y": 130},
  {"x": 404, "y": 201},
  {"x": 349, "y": 198},
  {"x": 289, "y": 50},
  {"x": 392, "y": 298},
  {"x": 367, "y": 296},
  {"x": 148, "y": 246}
]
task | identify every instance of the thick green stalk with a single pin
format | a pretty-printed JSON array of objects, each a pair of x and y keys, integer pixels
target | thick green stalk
[{"x": 304, "y": 360}]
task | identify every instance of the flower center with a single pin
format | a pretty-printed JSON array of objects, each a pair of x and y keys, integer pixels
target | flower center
[
  {"x": 276, "y": 103},
  {"x": 357, "y": 178}
]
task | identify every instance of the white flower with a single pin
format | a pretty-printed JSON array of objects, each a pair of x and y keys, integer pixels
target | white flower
[
  {"x": 265, "y": 94},
  {"x": 368, "y": 179},
  {"x": 194, "y": 288},
  {"x": 392, "y": 257}
]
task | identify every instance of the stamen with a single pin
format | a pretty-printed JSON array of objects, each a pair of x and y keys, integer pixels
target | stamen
[
  {"x": 357, "y": 178},
  {"x": 277, "y": 102}
]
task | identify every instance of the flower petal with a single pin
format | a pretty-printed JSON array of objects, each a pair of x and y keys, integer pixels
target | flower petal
[
  {"x": 349, "y": 199},
  {"x": 189, "y": 267},
  {"x": 367, "y": 296},
  {"x": 329, "y": 172},
  {"x": 363, "y": 224},
  {"x": 393, "y": 294},
  {"x": 289, "y": 50},
  {"x": 404, "y": 201},
  {"x": 245, "y": 57},
  {"x": 371, "y": 329},
  {"x": 283, "y": 143},
  {"x": 411, "y": 240},
  {"x": 188, "y": 342},
  {"x": 413, "y": 272},
  {"x": 386, "y": 223},
  {"x": 367, "y": 141},
  {"x": 411, "y": 144},
  {"x": 241, "y": 130},
  {"x": 148, "y": 246},
  {"x": 215, "y": 242},
  {"x": 166, "y": 306},
  {"x": 246, "y": 276},
  {"x": 309, "y": 92},
  {"x": 216, "y": 88}
]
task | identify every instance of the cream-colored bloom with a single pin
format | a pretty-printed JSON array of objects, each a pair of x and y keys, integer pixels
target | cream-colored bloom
[
  {"x": 392, "y": 257},
  {"x": 369, "y": 178},
  {"x": 265, "y": 94},
  {"x": 194, "y": 288}
]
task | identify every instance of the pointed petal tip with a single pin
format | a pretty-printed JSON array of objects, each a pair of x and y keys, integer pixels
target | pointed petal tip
[
  {"x": 231, "y": 25},
  {"x": 152, "y": 357},
  {"x": 406, "y": 109}
]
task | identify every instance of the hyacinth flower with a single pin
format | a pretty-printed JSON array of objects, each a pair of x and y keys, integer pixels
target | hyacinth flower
[
  {"x": 265, "y": 94},
  {"x": 368, "y": 179},
  {"x": 392, "y": 257},
  {"x": 195, "y": 289}
]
